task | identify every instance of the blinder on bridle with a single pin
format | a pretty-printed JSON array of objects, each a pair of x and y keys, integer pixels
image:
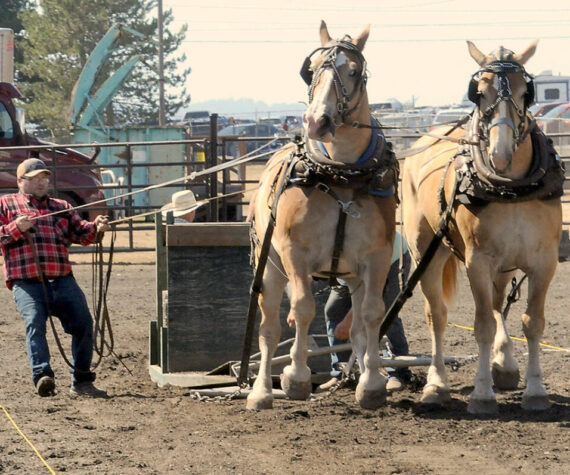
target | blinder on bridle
[
  {"x": 330, "y": 52},
  {"x": 306, "y": 71},
  {"x": 501, "y": 68},
  {"x": 504, "y": 93}
]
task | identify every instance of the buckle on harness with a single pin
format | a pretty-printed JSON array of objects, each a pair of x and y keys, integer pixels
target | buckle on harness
[{"x": 346, "y": 208}]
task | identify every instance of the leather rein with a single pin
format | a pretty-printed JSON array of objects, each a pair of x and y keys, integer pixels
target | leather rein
[{"x": 100, "y": 285}]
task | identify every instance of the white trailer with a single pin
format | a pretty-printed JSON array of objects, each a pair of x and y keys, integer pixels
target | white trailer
[
  {"x": 551, "y": 88},
  {"x": 6, "y": 55}
]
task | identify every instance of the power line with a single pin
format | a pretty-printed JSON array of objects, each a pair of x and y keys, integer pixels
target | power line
[
  {"x": 391, "y": 40},
  {"x": 288, "y": 27},
  {"x": 377, "y": 9}
]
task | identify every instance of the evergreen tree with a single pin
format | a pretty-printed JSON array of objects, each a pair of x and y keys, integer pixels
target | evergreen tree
[
  {"x": 10, "y": 18},
  {"x": 60, "y": 36}
]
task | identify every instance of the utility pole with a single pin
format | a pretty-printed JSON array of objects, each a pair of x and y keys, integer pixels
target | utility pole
[{"x": 161, "y": 107}]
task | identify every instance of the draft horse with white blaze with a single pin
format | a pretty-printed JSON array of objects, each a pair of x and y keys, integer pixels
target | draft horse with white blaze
[
  {"x": 331, "y": 200},
  {"x": 502, "y": 190}
]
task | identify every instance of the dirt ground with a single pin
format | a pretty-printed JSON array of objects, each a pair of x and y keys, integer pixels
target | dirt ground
[{"x": 145, "y": 429}]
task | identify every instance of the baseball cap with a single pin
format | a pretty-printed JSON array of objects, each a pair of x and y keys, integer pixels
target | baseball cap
[{"x": 31, "y": 167}]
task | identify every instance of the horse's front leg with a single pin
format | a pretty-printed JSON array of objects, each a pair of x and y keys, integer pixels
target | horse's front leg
[
  {"x": 436, "y": 390},
  {"x": 368, "y": 315},
  {"x": 505, "y": 368},
  {"x": 482, "y": 400},
  {"x": 261, "y": 396},
  {"x": 535, "y": 397},
  {"x": 296, "y": 377}
]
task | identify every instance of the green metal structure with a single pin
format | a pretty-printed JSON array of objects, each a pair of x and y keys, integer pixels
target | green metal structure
[{"x": 87, "y": 105}]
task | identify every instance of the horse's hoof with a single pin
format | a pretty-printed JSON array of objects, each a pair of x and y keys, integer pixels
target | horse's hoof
[
  {"x": 370, "y": 398},
  {"x": 298, "y": 390},
  {"x": 482, "y": 406},
  {"x": 506, "y": 380},
  {"x": 535, "y": 403},
  {"x": 435, "y": 396},
  {"x": 259, "y": 403}
]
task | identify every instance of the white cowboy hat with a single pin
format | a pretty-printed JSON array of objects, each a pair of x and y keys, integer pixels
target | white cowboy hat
[{"x": 182, "y": 202}]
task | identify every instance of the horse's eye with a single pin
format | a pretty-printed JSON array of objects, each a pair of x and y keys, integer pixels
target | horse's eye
[{"x": 353, "y": 72}]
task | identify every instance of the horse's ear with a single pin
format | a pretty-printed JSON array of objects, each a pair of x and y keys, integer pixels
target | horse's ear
[
  {"x": 361, "y": 40},
  {"x": 523, "y": 57},
  {"x": 480, "y": 58},
  {"x": 325, "y": 37}
]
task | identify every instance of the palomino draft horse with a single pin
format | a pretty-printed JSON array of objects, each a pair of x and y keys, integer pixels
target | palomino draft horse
[
  {"x": 332, "y": 199},
  {"x": 505, "y": 188}
]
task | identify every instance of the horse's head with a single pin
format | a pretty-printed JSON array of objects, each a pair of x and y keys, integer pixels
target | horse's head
[
  {"x": 502, "y": 92},
  {"x": 336, "y": 76}
]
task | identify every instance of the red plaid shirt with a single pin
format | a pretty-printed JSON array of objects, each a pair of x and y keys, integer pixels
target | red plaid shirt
[{"x": 53, "y": 236}]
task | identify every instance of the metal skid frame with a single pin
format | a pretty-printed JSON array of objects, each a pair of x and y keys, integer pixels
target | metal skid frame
[{"x": 349, "y": 367}]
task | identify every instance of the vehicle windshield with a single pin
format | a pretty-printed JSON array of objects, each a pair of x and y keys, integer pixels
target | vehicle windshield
[
  {"x": 234, "y": 129},
  {"x": 6, "y": 130},
  {"x": 250, "y": 130},
  {"x": 450, "y": 116},
  {"x": 553, "y": 113},
  {"x": 538, "y": 110}
]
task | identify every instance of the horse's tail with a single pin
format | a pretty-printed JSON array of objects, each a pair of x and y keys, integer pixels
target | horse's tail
[{"x": 449, "y": 279}]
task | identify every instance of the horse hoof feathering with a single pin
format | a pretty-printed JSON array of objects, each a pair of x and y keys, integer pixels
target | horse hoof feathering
[
  {"x": 503, "y": 379},
  {"x": 371, "y": 398},
  {"x": 508, "y": 218},
  {"x": 482, "y": 406},
  {"x": 436, "y": 396},
  {"x": 255, "y": 403},
  {"x": 325, "y": 208},
  {"x": 536, "y": 403},
  {"x": 297, "y": 390}
]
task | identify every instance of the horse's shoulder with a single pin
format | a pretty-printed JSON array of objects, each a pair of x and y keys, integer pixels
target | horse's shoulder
[
  {"x": 431, "y": 161},
  {"x": 281, "y": 154},
  {"x": 275, "y": 162}
]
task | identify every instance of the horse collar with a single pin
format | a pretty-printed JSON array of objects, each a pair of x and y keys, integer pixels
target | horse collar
[
  {"x": 366, "y": 155},
  {"x": 374, "y": 175},
  {"x": 480, "y": 185}
]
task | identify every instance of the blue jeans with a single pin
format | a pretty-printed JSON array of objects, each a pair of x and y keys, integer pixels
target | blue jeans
[
  {"x": 338, "y": 305},
  {"x": 66, "y": 302}
]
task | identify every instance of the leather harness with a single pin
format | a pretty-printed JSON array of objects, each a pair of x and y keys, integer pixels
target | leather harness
[{"x": 375, "y": 173}]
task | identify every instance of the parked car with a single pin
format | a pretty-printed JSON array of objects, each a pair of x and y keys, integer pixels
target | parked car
[
  {"x": 252, "y": 129},
  {"x": 75, "y": 184},
  {"x": 405, "y": 120},
  {"x": 538, "y": 110},
  {"x": 449, "y": 115},
  {"x": 276, "y": 121},
  {"x": 197, "y": 123},
  {"x": 557, "y": 120}
]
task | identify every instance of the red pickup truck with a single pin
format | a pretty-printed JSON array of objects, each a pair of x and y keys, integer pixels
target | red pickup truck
[{"x": 78, "y": 185}]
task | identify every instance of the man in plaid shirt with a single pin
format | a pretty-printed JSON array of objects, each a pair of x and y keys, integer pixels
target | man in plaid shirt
[{"x": 26, "y": 238}]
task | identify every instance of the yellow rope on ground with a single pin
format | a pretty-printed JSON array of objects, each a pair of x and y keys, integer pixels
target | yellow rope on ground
[
  {"x": 27, "y": 440},
  {"x": 545, "y": 345}
]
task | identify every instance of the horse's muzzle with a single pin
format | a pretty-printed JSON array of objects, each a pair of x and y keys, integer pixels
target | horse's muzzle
[
  {"x": 322, "y": 129},
  {"x": 502, "y": 162}
]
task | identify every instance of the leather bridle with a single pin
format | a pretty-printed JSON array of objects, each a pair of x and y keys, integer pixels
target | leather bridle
[
  {"x": 504, "y": 94},
  {"x": 330, "y": 53}
]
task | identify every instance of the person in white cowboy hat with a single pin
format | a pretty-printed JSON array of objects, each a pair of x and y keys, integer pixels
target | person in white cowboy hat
[{"x": 183, "y": 206}]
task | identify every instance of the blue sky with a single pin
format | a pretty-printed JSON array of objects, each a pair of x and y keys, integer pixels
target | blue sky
[{"x": 254, "y": 49}]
